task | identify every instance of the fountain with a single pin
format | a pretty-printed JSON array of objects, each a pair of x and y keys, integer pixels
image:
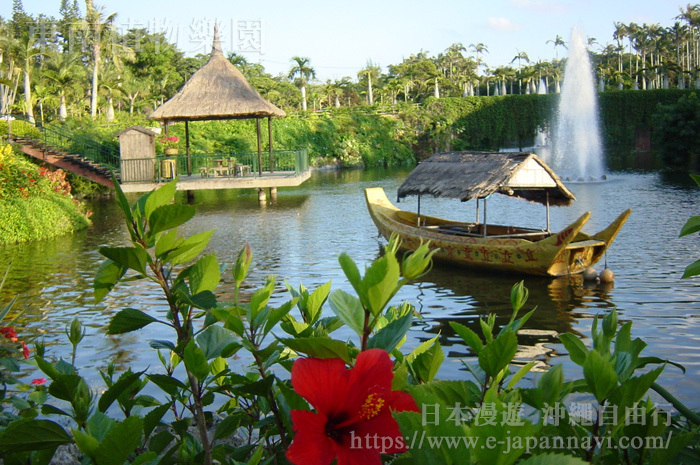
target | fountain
[
  {"x": 541, "y": 136},
  {"x": 577, "y": 149}
]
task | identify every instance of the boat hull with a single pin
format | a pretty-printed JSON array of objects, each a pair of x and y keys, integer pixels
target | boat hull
[{"x": 516, "y": 251}]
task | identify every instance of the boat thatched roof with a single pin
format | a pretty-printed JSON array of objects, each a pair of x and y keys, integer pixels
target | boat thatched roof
[
  {"x": 216, "y": 91},
  {"x": 469, "y": 175}
]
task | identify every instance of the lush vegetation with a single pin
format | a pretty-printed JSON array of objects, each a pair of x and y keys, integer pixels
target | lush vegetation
[
  {"x": 454, "y": 100},
  {"x": 79, "y": 64},
  {"x": 35, "y": 202},
  {"x": 387, "y": 407}
]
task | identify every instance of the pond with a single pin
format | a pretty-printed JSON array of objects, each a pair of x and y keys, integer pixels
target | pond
[{"x": 299, "y": 236}]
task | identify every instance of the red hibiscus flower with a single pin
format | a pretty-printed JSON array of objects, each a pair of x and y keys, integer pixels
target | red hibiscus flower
[
  {"x": 25, "y": 350},
  {"x": 353, "y": 419},
  {"x": 9, "y": 332},
  {"x": 38, "y": 381}
]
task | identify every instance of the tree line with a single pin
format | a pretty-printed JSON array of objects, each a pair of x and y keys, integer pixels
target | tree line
[{"x": 79, "y": 64}]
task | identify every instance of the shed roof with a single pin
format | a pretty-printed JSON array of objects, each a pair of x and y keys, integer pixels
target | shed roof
[
  {"x": 468, "y": 175},
  {"x": 141, "y": 129},
  {"x": 216, "y": 91}
]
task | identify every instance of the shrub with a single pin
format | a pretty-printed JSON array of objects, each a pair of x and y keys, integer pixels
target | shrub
[
  {"x": 676, "y": 127},
  {"x": 35, "y": 203}
]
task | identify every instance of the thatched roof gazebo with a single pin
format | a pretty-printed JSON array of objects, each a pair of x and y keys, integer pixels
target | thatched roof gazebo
[
  {"x": 477, "y": 175},
  {"x": 218, "y": 91}
]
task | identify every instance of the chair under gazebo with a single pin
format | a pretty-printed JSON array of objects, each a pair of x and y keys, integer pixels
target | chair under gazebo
[{"x": 218, "y": 91}]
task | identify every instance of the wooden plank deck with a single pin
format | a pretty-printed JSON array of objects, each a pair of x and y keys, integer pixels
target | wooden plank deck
[{"x": 195, "y": 182}]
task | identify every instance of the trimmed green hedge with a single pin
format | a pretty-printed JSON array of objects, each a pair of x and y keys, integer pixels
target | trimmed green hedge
[{"x": 488, "y": 123}]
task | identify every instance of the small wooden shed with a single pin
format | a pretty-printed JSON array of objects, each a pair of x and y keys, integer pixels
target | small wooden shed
[{"x": 137, "y": 151}]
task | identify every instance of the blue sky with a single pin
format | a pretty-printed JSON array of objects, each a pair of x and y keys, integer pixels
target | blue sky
[{"x": 340, "y": 38}]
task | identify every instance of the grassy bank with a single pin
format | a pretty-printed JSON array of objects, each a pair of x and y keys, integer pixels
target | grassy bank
[{"x": 35, "y": 202}]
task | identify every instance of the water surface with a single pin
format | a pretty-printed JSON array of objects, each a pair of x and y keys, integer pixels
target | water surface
[{"x": 299, "y": 236}]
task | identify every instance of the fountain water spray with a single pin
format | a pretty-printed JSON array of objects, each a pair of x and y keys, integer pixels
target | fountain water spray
[
  {"x": 577, "y": 147},
  {"x": 541, "y": 136}
]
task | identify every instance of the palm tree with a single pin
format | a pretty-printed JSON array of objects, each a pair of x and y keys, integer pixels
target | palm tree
[
  {"x": 24, "y": 50},
  {"x": 520, "y": 56},
  {"x": 303, "y": 73},
  {"x": 371, "y": 71},
  {"x": 479, "y": 49},
  {"x": 96, "y": 24},
  {"x": 63, "y": 70},
  {"x": 9, "y": 72},
  {"x": 558, "y": 42}
]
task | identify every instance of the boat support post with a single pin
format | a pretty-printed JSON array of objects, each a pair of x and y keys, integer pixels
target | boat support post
[
  {"x": 418, "y": 215},
  {"x": 547, "y": 197},
  {"x": 485, "y": 219},
  {"x": 477, "y": 210}
]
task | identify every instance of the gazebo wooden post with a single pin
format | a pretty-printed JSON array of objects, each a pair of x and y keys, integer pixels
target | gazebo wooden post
[
  {"x": 187, "y": 148},
  {"x": 257, "y": 123},
  {"x": 269, "y": 138}
]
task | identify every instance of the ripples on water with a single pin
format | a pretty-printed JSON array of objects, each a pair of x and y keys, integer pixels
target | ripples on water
[{"x": 299, "y": 236}]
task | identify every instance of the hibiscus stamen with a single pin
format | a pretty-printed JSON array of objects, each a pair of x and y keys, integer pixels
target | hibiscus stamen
[{"x": 372, "y": 406}]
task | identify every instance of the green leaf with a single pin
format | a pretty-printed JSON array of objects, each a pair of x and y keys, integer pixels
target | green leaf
[
  {"x": 169, "y": 216},
  {"x": 576, "y": 348},
  {"x": 276, "y": 314},
  {"x": 691, "y": 226},
  {"x": 349, "y": 310},
  {"x": 161, "y": 344},
  {"x": 227, "y": 426},
  {"x": 161, "y": 196},
  {"x": 125, "y": 381},
  {"x": 64, "y": 386},
  {"x": 204, "y": 275},
  {"x": 692, "y": 270},
  {"x": 123, "y": 203},
  {"x": 86, "y": 443},
  {"x": 230, "y": 319},
  {"x": 108, "y": 275},
  {"x": 426, "y": 364},
  {"x": 468, "y": 336},
  {"x": 167, "y": 242},
  {"x": 497, "y": 354},
  {"x": 99, "y": 425},
  {"x": 380, "y": 283},
  {"x": 600, "y": 375},
  {"x": 351, "y": 272},
  {"x": 130, "y": 257},
  {"x": 29, "y": 435},
  {"x": 120, "y": 442},
  {"x": 314, "y": 303},
  {"x": 391, "y": 335},
  {"x": 259, "y": 300},
  {"x": 154, "y": 418},
  {"x": 195, "y": 361},
  {"x": 257, "y": 388},
  {"x": 190, "y": 248},
  {"x": 129, "y": 320},
  {"x": 520, "y": 374},
  {"x": 214, "y": 340},
  {"x": 319, "y": 347},
  {"x": 168, "y": 384}
]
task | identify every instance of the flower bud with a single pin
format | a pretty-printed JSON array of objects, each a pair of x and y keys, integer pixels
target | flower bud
[
  {"x": 245, "y": 257},
  {"x": 75, "y": 332},
  {"x": 415, "y": 264}
]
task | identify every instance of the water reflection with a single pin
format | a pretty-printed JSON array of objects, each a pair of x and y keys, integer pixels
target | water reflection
[
  {"x": 476, "y": 295},
  {"x": 299, "y": 237}
]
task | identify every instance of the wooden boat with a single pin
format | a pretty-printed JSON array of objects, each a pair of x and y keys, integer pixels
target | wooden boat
[{"x": 477, "y": 175}]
